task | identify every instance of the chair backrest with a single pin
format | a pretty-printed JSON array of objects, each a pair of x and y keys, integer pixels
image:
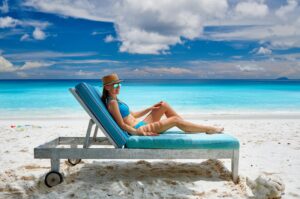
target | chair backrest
[{"x": 91, "y": 96}]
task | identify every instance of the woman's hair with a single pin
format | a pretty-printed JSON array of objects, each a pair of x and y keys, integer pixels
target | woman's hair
[{"x": 104, "y": 96}]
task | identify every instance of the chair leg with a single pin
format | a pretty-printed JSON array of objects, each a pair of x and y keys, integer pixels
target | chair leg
[
  {"x": 235, "y": 165},
  {"x": 55, "y": 164},
  {"x": 95, "y": 134},
  {"x": 88, "y": 134}
]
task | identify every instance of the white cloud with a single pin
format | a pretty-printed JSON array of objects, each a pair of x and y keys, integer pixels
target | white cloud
[
  {"x": 92, "y": 10},
  {"x": 142, "y": 42},
  {"x": 4, "y": 8},
  {"x": 263, "y": 69},
  {"x": 149, "y": 27},
  {"x": 276, "y": 66},
  {"x": 86, "y": 74},
  {"x": 262, "y": 51},
  {"x": 251, "y": 9},
  {"x": 22, "y": 74},
  {"x": 36, "y": 24},
  {"x": 8, "y": 22},
  {"x": 32, "y": 65},
  {"x": 38, "y": 34},
  {"x": 100, "y": 32},
  {"x": 241, "y": 69},
  {"x": 42, "y": 55},
  {"x": 25, "y": 37},
  {"x": 294, "y": 57},
  {"x": 249, "y": 68},
  {"x": 5, "y": 65},
  {"x": 165, "y": 70},
  {"x": 279, "y": 35},
  {"x": 87, "y": 61},
  {"x": 109, "y": 38},
  {"x": 153, "y": 26},
  {"x": 283, "y": 11}
]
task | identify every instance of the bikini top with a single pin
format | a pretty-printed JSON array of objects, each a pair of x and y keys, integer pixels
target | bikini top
[{"x": 124, "y": 109}]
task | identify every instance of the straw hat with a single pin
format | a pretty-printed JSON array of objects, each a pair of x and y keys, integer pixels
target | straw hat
[{"x": 110, "y": 79}]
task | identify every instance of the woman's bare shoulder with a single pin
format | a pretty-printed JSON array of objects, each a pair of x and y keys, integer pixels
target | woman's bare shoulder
[{"x": 112, "y": 102}]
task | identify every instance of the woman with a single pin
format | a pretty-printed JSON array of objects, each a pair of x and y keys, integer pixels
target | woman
[{"x": 152, "y": 124}]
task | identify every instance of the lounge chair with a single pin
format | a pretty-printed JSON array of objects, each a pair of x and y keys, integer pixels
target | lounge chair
[{"x": 118, "y": 144}]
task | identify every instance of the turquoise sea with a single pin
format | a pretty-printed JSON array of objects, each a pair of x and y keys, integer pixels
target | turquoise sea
[{"x": 51, "y": 98}]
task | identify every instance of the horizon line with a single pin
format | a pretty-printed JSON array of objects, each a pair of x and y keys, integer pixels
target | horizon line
[{"x": 277, "y": 79}]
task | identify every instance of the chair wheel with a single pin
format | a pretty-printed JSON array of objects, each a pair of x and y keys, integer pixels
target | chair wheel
[
  {"x": 53, "y": 178},
  {"x": 73, "y": 162}
]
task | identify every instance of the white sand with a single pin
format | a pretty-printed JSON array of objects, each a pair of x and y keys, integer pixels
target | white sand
[{"x": 270, "y": 149}]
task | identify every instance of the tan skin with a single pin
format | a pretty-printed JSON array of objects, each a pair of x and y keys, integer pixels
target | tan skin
[{"x": 155, "y": 124}]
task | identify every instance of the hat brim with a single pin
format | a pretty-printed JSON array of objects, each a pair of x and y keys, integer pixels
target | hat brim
[{"x": 113, "y": 82}]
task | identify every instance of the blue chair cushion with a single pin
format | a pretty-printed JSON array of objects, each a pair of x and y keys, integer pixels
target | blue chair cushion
[
  {"x": 91, "y": 96},
  {"x": 180, "y": 140}
]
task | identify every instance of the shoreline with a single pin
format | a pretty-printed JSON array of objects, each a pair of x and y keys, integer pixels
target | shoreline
[{"x": 212, "y": 116}]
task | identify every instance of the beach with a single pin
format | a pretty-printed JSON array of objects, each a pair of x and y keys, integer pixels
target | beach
[
  {"x": 266, "y": 124},
  {"x": 269, "y": 147}
]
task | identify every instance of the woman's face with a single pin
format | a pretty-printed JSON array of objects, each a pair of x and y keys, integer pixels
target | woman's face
[{"x": 113, "y": 89}]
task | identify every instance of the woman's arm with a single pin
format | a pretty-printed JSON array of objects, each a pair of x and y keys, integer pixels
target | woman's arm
[
  {"x": 140, "y": 113},
  {"x": 145, "y": 111}
]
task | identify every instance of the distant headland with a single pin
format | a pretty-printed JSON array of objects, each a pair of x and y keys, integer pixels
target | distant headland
[{"x": 282, "y": 78}]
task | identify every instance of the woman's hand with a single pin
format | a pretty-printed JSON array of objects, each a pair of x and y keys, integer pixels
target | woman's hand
[
  {"x": 141, "y": 131},
  {"x": 156, "y": 106}
]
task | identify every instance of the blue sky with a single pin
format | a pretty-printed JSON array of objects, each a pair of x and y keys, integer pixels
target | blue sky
[{"x": 203, "y": 39}]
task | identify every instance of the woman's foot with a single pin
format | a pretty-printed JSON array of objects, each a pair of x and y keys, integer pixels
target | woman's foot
[{"x": 215, "y": 130}]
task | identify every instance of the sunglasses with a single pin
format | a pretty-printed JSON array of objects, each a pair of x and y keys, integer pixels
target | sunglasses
[{"x": 117, "y": 85}]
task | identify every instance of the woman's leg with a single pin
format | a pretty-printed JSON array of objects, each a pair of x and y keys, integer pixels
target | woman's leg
[
  {"x": 170, "y": 112},
  {"x": 161, "y": 125},
  {"x": 190, "y": 127},
  {"x": 156, "y": 114},
  {"x": 185, "y": 126}
]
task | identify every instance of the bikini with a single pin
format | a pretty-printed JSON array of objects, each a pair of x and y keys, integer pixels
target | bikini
[
  {"x": 141, "y": 123},
  {"x": 124, "y": 110}
]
